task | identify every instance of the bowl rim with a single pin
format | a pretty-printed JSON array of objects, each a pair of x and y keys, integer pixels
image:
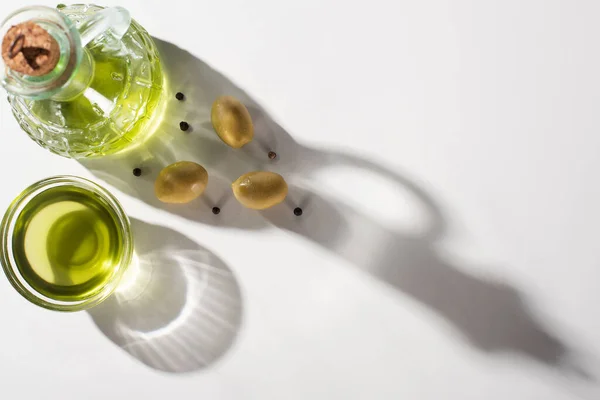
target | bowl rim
[{"x": 9, "y": 264}]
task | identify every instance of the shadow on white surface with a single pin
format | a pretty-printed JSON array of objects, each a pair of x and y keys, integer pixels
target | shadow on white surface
[
  {"x": 179, "y": 307},
  {"x": 492, "y": 316}
]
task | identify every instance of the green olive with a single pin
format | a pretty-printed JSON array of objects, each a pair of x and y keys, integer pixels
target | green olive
[
  {"x": 181, "y": 182},
  {"x": 260, "y": 190},
  {"x": 232, "y": 121}
]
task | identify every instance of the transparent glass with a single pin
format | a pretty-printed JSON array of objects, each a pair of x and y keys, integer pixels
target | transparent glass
[
  {"x": 104, "y": 94},
  {"x": 12, "y": 260}
]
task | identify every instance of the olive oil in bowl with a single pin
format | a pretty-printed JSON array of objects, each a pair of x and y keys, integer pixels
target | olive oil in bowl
[{"x": 66, "y": 243}]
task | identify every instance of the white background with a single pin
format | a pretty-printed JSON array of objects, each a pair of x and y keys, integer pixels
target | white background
[{"x": 445, "y": 153}]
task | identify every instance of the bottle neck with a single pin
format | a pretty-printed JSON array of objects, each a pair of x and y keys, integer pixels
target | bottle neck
[
  {"x": 73, "y": 70},
  {"x": 79, "y": 80}
]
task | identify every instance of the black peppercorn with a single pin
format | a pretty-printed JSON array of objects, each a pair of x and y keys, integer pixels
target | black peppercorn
[
  {"x": 184, "y": 126},
  {"x": 272, "y": 155},
  {"x": 216, "y": 210},
  {"x": 179, "y": 96},
  {"x": 137, "y": 172},
  {"x": 298, "y": 211}
]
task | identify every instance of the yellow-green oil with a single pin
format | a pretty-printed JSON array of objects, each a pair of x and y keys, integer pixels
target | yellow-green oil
[
  {"x": 117, "y": 99},
  {"x": 67, "y": 244}
]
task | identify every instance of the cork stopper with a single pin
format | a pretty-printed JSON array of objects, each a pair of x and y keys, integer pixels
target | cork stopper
[{"x": 29, "y": 49}]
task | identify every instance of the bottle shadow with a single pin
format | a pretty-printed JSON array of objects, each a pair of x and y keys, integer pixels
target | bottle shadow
[
  {"x": 179, "y": 307},
  {"x": 492, "y": 316}
]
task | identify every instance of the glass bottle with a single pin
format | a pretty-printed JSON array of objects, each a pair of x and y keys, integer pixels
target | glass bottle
[{"x": 105, "y": 91}]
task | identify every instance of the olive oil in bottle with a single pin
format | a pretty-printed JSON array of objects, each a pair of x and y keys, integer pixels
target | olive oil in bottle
[
  {"x": 98, "y": 87},
  {"x": 67, "y": 244}
]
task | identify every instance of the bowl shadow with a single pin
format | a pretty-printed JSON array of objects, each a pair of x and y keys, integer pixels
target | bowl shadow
[{"x": 178, "y": 308}]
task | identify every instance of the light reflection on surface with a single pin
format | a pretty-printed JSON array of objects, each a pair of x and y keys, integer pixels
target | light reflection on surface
[
  {"x": 134, "y": 280},
  {"x": 179, "y": 306}
]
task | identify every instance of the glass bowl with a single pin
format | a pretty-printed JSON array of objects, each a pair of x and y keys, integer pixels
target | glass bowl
[{"x": 12, "y": 258}]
